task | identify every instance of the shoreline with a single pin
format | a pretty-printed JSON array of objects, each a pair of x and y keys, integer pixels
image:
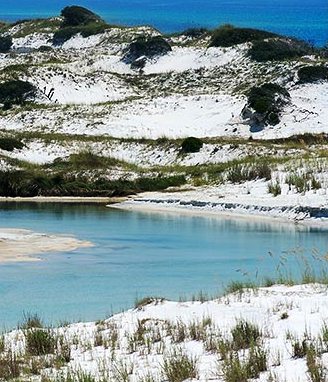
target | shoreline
[{"x": 162, "y": 207}]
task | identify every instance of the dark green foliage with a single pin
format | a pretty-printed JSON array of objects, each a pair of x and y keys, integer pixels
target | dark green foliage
[
  {"x": 267, "y": 100},
  {"x": 6, "y": 43},
  {"x": 195, "y": 32},
  {"x": 147, "y": 46},
  {"x": 191, "y": 145},
  {"x": 9, "y": 144},
  {"x": 278, "y": 50},
  {"x": 313, "y": 73},
  {"x": 78, "y": 20},
  {"x": 40, "y": 342},
  {"x": 29, "y": 183},
  {"x": 64, "y": 34},
  {"x": 17, "y": 92},
  {"x": 228, "y": 35},
  {"x": 76, "y": 15}
]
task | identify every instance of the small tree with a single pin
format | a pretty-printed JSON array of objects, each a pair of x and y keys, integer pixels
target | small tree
[{"x": 6, "y": 43}]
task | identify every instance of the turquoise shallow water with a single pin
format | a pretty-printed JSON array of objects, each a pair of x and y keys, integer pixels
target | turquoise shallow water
[
  {"x": 305, "y": 19},
  {"x": 135, "y": 254}
]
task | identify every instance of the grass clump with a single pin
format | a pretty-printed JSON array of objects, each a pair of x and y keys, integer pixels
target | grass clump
[
  {"x": 40, "y": 342},
  {"x": 10, "y": 367},
  {"x": 140, "y": 303},
  {"x": 31, "y": 321},
  {"x": 243, "y": 173},
  {"x": 191, "y": 145},
  {"x": 278, "y": 50},
  {"x": 316, "y": 371},
  {"x": 235, "y": 370},
  {"x": 312, "y": 73},
  {"x": 228, "y": 35},
  {"x": 245, "y": 335},
  {"x": 178, "y": 367},
  {"x": 274, "y": 188}
]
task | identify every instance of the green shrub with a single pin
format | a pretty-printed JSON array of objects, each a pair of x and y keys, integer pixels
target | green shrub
[
  {"x": 64, "y": 34},
  {"x": 40, "y": 342},
  {"x": 147, "y": 46},
  {"x": 9, "y": 144},
  {"x": 76, "y": 15},
  {"x": 267, "y": 100},
  {"x": 278, "y": 50},
  {"x": 195, "y": 32},
  {"x": 312, "y": 73},
  {"x": 191, "y": 145},
  {"x": 6, "y": 43},
  {"x": 228, "y": 35},
  {"x": 17, "y": 92}
]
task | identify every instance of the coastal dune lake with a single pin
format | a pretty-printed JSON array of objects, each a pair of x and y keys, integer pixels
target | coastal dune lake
[{"x": 137, "y": 254}]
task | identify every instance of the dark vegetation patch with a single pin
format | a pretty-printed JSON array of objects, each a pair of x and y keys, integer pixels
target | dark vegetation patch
[
  {"x": 78, "y": 20},
  {"x": 6, "y": 43},
  {"x": 30, "y": 183},
  {"x": 313, "y": 73},
  {"x": 16, "y": 92},
  {"x": 75, "y": 15},
  {"x": 10, "y": 143},
  {"x": 279, "y": 49},
  {"x": 148, "y": 47},
  {"x": 191, "y": 145},
  {"x": 228, "y": 35},
  {"x": 267, "y": 102},
  {"x": 195, "y": 32}
]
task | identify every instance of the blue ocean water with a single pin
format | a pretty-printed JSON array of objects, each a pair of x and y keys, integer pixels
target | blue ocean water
[
  {"x": 137, "y": 254},
  {"x": 305, "y": 19}
]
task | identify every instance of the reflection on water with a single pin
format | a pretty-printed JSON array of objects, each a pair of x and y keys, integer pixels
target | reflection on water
[{"x": 138, "y": 254}]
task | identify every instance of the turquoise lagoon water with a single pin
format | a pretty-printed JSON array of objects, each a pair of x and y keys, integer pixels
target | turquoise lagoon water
[
  {"x": 305, "y": 19},
  {"x": 135, "y": 254}
]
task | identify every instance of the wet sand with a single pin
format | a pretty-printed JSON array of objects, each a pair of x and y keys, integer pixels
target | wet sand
[{"x": 24, "y": 245}]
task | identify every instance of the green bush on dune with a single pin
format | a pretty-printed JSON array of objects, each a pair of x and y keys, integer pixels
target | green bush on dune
[
  {"x": 6, "y": 43},
  {"x": 78, "y": 20},
  {"x": 76, "y": 15},
  {"x": 278, "y": 49},
  {"x": 16, "y": 92},
  {"x": 228, "y": 35},
  {"x": 313, "y": 73}
]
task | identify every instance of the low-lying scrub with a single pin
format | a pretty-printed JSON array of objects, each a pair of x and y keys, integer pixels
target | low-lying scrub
[
  {"x": 191, "y": 145},
  {"x": 278, "y": 49},
  {"x": 178, "y": 367},
  {"x": 228, "y": 35},
  {"x": 147, "y": 47},
  {"x": 30, "y": 183},
  {"x": 10, "y": 144},
  {"x": 312, "y": 73},
  {"x": 267, "y": 102}
]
